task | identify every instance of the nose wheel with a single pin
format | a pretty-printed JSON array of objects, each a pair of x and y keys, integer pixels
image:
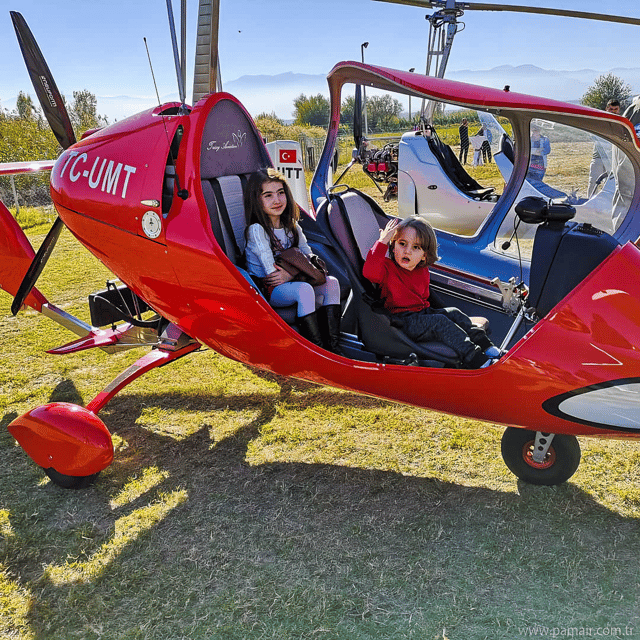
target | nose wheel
[
  {"x": 70, "y": 482},
  {"x": 540, "y": 458}
]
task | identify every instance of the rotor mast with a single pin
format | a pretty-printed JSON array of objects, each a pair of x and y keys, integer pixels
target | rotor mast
[
  {"x": 443, "y": 26},
  {"x": 206, "y": 76}
]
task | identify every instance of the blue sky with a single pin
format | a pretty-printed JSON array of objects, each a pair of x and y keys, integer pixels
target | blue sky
[{"x": 98, "y": 45}]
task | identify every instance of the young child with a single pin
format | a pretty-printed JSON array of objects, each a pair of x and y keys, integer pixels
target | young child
[
  {"x": 404, "y": 284},
  {"x": 273, "y": 227}
]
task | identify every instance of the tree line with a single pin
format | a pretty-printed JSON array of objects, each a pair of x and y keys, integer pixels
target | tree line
[
  {"x": 25, "y": 135},
  {"x": 384, "y": 111}
]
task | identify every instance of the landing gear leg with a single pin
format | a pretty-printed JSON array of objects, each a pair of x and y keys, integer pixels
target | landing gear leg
[{"x": 540, "y": 458}]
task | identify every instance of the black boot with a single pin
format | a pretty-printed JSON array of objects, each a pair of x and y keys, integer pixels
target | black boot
[
  {"x": 329, "y": 319},
  {"x": 309, "y": 328}
]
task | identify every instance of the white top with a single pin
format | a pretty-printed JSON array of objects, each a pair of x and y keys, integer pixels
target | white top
[{"x": 260, "y": 258}]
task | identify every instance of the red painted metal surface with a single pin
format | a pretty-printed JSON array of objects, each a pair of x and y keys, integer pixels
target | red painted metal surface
[
  {"x": 15, "y": 168},
  {"x": 65, "y": 437},
  {"x": 16, "y": 254}
]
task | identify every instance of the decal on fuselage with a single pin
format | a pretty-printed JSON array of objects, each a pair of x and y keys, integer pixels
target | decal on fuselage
[
  {"x": 237, "y": 140},
  {"x": 103, "y": 173},
  {"x": 611, "y": 405}
]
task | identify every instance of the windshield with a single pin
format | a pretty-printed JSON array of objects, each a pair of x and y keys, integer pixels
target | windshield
[
  {"x": 451, "y": 173},
  {"x": 572, "y": 166}
]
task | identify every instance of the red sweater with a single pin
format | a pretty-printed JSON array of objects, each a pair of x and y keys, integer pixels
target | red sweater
[{"x": 401, "y": 290}]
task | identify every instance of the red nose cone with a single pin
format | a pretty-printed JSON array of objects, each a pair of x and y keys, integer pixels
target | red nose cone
[{"x": 65, "y": 437}]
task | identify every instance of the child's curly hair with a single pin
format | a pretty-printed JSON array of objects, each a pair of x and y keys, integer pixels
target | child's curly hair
[{"x": 426, "y": 237}]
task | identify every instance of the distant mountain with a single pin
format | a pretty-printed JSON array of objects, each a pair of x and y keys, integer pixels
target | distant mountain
[
  {"x": 276, "y": 93},
  {"x": 565, "y": 85},
  {"x": 262, "y": 93}
]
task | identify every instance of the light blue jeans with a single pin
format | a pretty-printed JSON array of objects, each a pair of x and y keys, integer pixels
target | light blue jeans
[{"x": 306, "y": 296}]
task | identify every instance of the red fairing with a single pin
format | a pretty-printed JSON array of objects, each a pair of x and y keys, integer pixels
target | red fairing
[
  {"x": 65, "y": 437},
  {"x": 108, "y": 175},
  {"x": 106, "y": 186},
  {"x": 16, "y": 254}
]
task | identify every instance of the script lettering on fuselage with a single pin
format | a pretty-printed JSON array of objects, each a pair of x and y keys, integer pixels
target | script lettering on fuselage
[
  {"x": 98, "y": 172},
  {"x": 237, "y": 140}
]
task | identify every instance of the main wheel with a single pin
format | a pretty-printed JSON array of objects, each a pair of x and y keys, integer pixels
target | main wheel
[
  {"x": 70, "y": 482},
  {"x": 560, "y": 463}
]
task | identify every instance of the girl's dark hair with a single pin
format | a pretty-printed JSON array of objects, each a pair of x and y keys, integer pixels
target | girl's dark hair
[
  {"x": 426, "y": 237},
  {"x": 255, "y": 212}
]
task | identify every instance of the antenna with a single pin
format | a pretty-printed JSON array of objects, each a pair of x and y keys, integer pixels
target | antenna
[
  {"x": 176, "y": 58},
  {"x": 182, "y": 193}
]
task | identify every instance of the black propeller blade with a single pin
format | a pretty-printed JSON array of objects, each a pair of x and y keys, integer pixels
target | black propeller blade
[
  {"x": 36, "y": 267},
  {"x": 58, "y": 119},
  {"x": 43, "y": 83}
]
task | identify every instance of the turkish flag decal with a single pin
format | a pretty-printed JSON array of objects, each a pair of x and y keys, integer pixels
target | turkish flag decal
[{"x": 288, "y": 155}]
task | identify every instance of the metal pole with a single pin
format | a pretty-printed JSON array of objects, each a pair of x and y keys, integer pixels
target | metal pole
[
  {"x": 174, "y": 42},
  {"x": 15, "y": 195},
  {"x": 183, "y": 40},
  {"x": 363, "y": 46},
  {"x": 410, "y": 71}
]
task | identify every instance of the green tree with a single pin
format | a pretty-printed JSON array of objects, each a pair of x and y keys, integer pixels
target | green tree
[
  {"x": 383, "y": 111},
  {"x": 347, "y": 109},
  {"x": 607, "y": 87},
  {"x": 84, "y": 111},
  {"x": 312, "y": 110},
  {"x": 25, "y": 107}
]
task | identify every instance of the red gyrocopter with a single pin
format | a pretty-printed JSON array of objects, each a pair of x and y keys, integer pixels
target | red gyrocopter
[{"x": 157, "y": 198}]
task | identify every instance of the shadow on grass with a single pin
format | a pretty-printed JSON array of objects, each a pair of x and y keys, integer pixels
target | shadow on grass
[{"x": 295, "y": 550}]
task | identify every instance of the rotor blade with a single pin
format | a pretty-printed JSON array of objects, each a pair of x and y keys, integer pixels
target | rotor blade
[
  {"x": 357, "y": 117},
  {"x": 36, "y": 267},
  {"x": 481, "y": 6},
  {"x": 43, "y": 83}
]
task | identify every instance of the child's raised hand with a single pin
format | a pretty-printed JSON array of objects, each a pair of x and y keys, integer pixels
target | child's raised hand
[{"x": 387, "y": 233}]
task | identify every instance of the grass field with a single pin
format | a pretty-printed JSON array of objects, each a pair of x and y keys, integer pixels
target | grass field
[{"x": 245, "y": 506}]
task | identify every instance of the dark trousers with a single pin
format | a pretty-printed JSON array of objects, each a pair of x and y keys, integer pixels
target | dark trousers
[
  {"x": 449, "y": 326},
  {"x": 464, "y": 150},
  {"x": 486, "y": 151}
]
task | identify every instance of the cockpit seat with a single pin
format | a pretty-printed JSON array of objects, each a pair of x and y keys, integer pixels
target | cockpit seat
[
  {"x": 223, "y": 174},
  {"x": 354, "y": 221}
]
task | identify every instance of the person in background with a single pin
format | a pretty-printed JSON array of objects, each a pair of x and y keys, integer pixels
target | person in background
[
  {"x": 540, "y": 149},
  {"x": 623, "y": 170},
  {"x": 597, "y": 168},
  {"x": 485, "y": 132},
  {"x": 463, "y": 130}
]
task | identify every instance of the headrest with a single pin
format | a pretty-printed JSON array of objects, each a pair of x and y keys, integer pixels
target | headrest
[{"x": 231, "y": 144}]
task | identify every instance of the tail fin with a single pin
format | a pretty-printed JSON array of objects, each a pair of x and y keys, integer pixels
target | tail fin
[{"x": 16, "y": 254}]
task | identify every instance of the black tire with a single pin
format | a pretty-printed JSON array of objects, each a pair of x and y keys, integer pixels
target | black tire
[
  {"x": 560, "y": 464},
  {"x": 70, "y": 482}
]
